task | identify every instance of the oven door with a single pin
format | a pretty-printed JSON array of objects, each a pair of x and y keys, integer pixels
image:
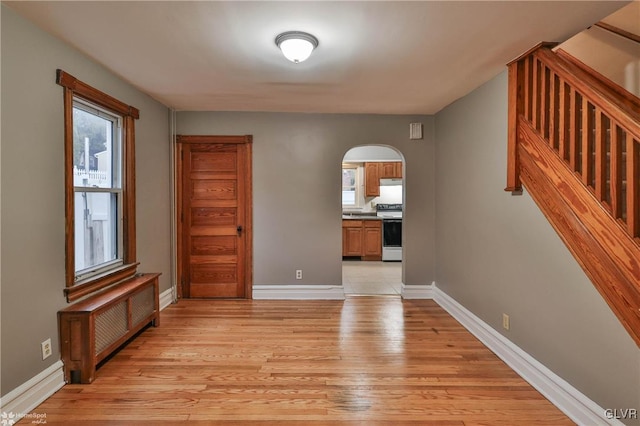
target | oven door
[{"x": 392, "y": 233}]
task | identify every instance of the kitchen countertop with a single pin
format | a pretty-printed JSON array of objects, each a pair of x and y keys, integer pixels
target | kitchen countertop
[{"x": 360, "y": 216}]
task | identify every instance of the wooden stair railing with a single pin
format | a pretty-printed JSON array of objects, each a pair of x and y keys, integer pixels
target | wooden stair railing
[{"x": 574, "y": 143}]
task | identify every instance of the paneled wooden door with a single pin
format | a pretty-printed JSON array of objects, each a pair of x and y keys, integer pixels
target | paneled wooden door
[{"x": 214, "y": 216}]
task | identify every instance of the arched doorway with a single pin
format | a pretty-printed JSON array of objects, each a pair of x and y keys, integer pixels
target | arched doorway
[{"x": 372, "y": 205}]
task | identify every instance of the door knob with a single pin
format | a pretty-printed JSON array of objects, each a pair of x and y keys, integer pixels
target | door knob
[{"x": 239, "y": 229}]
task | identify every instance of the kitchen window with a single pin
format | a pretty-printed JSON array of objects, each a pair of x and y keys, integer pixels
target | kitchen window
[
  {"x": 99, "y": 188},
  {"x": 350, "y": 185}
]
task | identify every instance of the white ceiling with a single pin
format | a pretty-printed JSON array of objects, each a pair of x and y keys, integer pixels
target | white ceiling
[{"x": 374, "y": 57}]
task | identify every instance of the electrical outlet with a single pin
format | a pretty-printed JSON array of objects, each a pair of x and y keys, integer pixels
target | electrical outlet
[
  {"x": 46, "y": 349},
  {"x": 505, "y": 321},
  {"x": 298, "y": 274}
]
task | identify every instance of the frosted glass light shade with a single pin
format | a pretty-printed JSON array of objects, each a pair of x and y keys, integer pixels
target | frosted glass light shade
[{"x": 296, "y": 46}]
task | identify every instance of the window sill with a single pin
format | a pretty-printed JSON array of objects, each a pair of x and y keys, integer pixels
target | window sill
[{"x": 85, "y": 287}]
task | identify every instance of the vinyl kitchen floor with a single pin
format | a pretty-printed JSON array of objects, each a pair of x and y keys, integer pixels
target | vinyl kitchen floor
[{"x": 371, "y": 278}]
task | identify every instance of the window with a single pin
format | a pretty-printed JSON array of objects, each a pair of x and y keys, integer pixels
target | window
[
  {"x": 350, "y": 185},
  {"x": 97, "y": 182},
  {"x": 99, "y": 188}
]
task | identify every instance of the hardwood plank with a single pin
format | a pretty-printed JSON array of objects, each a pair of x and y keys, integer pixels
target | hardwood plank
[{"x": 358, "y": 361}]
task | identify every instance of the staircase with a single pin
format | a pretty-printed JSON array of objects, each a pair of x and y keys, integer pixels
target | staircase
[{"x": 574, "y": 144}]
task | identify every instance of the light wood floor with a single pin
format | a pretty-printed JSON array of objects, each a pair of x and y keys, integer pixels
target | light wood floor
[{"x": 363, "y": 361}]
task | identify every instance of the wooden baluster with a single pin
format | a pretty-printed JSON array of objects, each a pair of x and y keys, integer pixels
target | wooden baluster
[
  {"x": 587, "y": 124},
  {"x": 564, "y": 131},
  {"x": 553, "y": 116},
  {"x": 633, "y": 186},
  {"x": 615, "y": 171},
  {"x": 544, "y": 101},
  {"x": 574, "y": 114},
  {"x": 535, "y": 91},
  {"x": 600, "y": 154},
  {"x": 528, "y": 86}
]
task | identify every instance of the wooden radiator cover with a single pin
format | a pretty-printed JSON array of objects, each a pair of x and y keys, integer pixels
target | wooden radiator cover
[{"x": 92, "y": 329}]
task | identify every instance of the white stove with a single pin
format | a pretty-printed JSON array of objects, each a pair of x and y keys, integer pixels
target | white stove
[{"x": 391, "y": 215}]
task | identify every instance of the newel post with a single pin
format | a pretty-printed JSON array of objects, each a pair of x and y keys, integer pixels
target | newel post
[
  {"x": 515, "y": 108},
  {"x": 520, "y": 80}
]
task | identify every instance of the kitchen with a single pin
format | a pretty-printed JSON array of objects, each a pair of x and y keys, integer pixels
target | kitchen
[{"x": 372, "y": 207}]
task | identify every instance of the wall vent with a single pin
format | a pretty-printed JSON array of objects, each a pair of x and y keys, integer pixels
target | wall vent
[{"x": 415, "y": 131}]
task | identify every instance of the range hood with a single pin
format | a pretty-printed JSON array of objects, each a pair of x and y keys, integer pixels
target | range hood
[{"x": 391, "y": 182}]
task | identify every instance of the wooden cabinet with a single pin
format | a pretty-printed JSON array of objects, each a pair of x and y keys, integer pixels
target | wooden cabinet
[
  {"x": 373, "y": 172},
  {"x": 372, "y": 240},
  {"x": 362, "y": 238},
  {"x": 371, "y": 179},
  {"x": 391, "y": 170},
  {"x": 352, "y": 237}
]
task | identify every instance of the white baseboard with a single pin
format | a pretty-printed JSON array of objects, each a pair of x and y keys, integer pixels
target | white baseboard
[
  {"x": 568, "y": 399},
  {"x": 166, "y": 298},
  {"x": 417, "y": 291},
  {"x": 298, "y": 292},
  {"x": 32, "y": 393}
]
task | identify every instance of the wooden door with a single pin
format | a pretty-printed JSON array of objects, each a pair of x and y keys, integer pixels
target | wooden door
[{"x": 214, "y": 209}]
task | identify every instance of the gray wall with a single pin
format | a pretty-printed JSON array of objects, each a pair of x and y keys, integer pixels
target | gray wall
[
  {"x": 497, "y": 253},
  {"x": 296, "y": 188},
  {"x": 32, "y": 177}
]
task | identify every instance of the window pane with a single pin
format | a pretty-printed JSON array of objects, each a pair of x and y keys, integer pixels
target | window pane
[
  {"x": 349, "y": 177},
  {"x": 96, "y": 229},
  {"x": 93, "y": 149},
  {"x": 349, "y": 198}
]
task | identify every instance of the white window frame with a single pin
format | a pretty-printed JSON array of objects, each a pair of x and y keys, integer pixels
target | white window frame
[
  {"x": 358, "y": 185},
  {"x": 116, "y": 175}
]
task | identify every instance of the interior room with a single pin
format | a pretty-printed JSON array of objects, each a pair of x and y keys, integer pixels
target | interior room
[{"x": 451, "y": 282}]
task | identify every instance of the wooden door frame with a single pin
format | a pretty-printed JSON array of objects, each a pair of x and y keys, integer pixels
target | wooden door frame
[{"x": 247, "y": 140}]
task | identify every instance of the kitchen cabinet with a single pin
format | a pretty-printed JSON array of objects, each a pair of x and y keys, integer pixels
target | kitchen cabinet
[
  {"x": 391, "y": 170},
  {"x": 352, "y": 237},
  {"x": 373, "y": 172},
  {"x": 372, "y": 240},
  {"x": 371, "y": 179},
  {"x": 362, "y": 238}
]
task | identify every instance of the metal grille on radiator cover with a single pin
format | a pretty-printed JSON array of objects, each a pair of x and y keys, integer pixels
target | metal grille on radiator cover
[
  {"x": 110, "y": 326},
  {"x": 142, "y": 305}
]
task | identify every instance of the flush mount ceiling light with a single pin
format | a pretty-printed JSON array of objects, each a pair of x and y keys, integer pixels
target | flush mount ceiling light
[{"x": 296, "y": 46}]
